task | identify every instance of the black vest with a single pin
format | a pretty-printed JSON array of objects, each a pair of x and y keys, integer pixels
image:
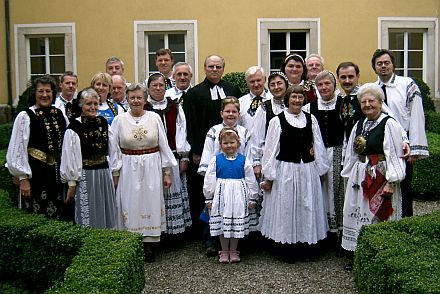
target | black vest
[
  {"x": 267, "y": 105},
  {"x": 350, "y": 113},
  {"x": 374, "y": 137}
]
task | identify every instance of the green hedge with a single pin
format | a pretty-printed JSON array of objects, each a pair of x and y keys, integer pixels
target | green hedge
[
  {"x": 426, "y": 178},
  {"x": 237, "y": 79},
  {"x": 5, "y": 131},
  {"x": 6, "y": 178},
  {"x": 37, "y": 253},
  {"x": 432, "y": 122},
  {"x": 399, "y": 257}
]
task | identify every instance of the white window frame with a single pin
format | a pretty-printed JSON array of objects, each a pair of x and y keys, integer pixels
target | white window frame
[
  {"x": 164, "y": 26},
  {"x": 266, "y": 25},
  {"x": 21, "y": 34},
  {"x": 430, "y": 56}
]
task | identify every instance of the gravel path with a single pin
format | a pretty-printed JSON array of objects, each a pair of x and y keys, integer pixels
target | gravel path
[{"x": 185, "y": 269}]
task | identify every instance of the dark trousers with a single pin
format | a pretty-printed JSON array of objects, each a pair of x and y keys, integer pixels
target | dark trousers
[{"x": 407, "y": 192}]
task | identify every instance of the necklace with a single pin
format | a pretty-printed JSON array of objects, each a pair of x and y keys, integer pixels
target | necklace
[{"x": 136, "y": 119}]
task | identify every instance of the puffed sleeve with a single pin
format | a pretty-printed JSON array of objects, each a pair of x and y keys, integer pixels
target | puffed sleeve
[
  {"x": 271, "y": 149},
  {"x": 250, "y": 180},
  {"x": 257, "y": 136},
  {"x": 210, "y": 180},
  {"x": 351, "y": 157},
  {"x": 167, "y": 156},
  {"x": 392, "y": 146},
  {"x": 182, "y": 145},
  {"x": 71, "y": 158},
  {"x": 115, "y": 154},
  {"x": 321, "y": 159},
  {"x": 17, "y": 155},
  {"x": 208, "y": 151}
]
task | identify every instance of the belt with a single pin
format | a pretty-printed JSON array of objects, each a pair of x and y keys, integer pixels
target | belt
[
  {"x": 49, "y": 159},
  {"x": 141, "y": 151},
  {"x": 380, "y": 157},
  {"x": 95, "y": 160}
]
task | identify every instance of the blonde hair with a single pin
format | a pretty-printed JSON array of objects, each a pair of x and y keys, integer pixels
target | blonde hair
[
  {"x": 228, "y": 132},
  {"x": 103, "y": 77},
  {"x": 230, "y": 100}
]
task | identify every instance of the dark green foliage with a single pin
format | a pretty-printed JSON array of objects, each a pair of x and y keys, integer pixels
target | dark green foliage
[
  {"x": 5, "y": 135},
  {"x": 432, "y": 121},
  {"x": 237, "y": 79},
  {"x": 23, "y": 101},
  {"x": 6, "y": 178},
  {"x": 428, "y": 104}
]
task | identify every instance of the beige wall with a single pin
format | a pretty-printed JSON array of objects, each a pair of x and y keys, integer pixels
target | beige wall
[{"x": 348, "y": 28}]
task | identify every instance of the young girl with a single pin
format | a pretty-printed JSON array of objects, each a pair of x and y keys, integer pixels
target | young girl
[{"x": 231, "y": 190}]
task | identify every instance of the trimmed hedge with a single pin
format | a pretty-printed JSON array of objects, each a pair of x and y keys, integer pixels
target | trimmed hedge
[
  {"x": 5, "y": 131},
  {"x": 37, "y": 253},
  {"x": 432, "y": 121},
  {"x": 6, "y": 178},
  {"x": 399, "y": 257},
  {"x": 237, "y": 79}
]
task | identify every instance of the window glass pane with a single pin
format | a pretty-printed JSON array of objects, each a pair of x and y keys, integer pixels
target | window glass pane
[
  {"x": 176, "y": 42},
  {"x": 277, "y": 41},
  {"x": 179, "y": 57},
  {"x": 56, "y": 45},
  {"x": 152, "y": 62},
  {"x": 415, "y": 74},
  {"x": 298, "y": 41},
  {"x": 276, "y": 58},
  {"x": 415, "y": 59},
  {"x": 57, "y": 64},
  {"x": 155, "y": 41},
  {"x": 415, "y": 41},
  {"x": 396, "y": 40},
  {"x": 37, "y": 46},
  {"x": 38, "y": 65},
  {"x": 399, "y": 59}
]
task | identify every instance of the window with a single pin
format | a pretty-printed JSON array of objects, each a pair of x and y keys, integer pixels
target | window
[
  {"x": 279, "y": 37},
  {"x": 179, "y": 36},
  {"x": 43, "y": 49},
  {"x": 413, "y": 41}
]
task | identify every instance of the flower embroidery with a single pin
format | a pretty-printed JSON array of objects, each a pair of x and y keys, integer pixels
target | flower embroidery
[{"x": 139, "y": 133}]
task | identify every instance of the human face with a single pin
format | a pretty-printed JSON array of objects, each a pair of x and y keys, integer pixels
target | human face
[
  {"x": 182, "y": 75},
  {"x": 68, "y": 87},
  {"x": 326, "y": 88},
  {"x": 277, "y": 87},
  {"x": 115, "y": 68},
  {"x": 370, "y": 106},
  {"x": 384, "y": 68},
  {"x": 296, "y": 102},
  {"x": 256, "y": 83},
  {"x": 314, "y": 67},
  {"x": 102, "y": 88},
  {"x": 136, "y": 101},
  {"x": 157, "y": 89},
  {"x": 164, "y": 64},
  {"x": 230, "y": 115},
  {"x": 43, "y": 95},
  {"x": 214, "y": 69},
  {"x": 348, "y": 79},
  {"x": 118, "y": 89},
  {"x": 229, "y": 145},
  {"x": 294, "y": 71},
  {"x": 90, "y": 107}
]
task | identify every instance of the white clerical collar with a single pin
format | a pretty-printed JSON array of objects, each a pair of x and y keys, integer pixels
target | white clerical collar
[{"x": 217, "y": 91}]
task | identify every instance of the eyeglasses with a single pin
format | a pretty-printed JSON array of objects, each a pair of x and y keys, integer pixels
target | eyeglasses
[{"x": 214, "y": 66}]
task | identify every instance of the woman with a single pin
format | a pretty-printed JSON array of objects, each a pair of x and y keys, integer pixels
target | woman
[
  {"x": 141, "y": 166},
  {"x": 293, "y": 206},
  {"x": 34, "y": 151},
  {"x": 178, "y": 216},
  {"x": 85, "y": 168},
  {"x": 102, "y": 83},
  {"x": 374, "y": 168},
  {"x": 296, "y": 71}
]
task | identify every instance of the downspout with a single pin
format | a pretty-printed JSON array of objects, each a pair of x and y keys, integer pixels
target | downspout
[{"x": 8, "y": 54}]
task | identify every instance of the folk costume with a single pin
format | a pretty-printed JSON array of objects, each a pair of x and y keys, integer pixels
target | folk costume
[
  {"x": 109, "y": 110},
  {"x": 249, "y": 104}
]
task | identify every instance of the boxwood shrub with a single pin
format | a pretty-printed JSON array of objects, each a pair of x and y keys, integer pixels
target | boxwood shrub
[
  {"x": 237, "y": 79},
  {"x": 5, "y": 131},
  {"x": 432, "y": 122},
  {"x": 6, "y": 178}
]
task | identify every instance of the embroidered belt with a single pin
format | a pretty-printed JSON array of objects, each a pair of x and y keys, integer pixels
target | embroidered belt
[
  {"x": 380, "y": 157},
  {"x": 95, "y": 160},
  {"x": 141, "y": 151},
  {"x": 49, "y": 159}
]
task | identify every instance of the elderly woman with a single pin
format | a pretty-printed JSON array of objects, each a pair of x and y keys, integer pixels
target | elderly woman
[
  {"x": 34, "y": 151},
  {"x": 102, "y": 83},
  {"x": 177, "y": 210},
  {"x": 141, "y": 166},
  {"x": 293, "y": 206},
  {"x": 374, "y": 168},
  {"x": 296, "y": 71},
  {"x": 85, "y": 168}
]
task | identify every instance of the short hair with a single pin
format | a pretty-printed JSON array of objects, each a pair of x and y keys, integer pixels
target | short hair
[
  {"x": 228, "y": 132},
  {"x": 317, "y": 56},
  {"x": 230, "y": 100},
  {"x": 297, "y": 58},
  {"x": 253, "y": 70},
  {"x": 86, "y": 93},
  {"x": 68, "y": 74},
  {"x": 372, "y": 89},
  {"x": 114, "y": 59},
  {"x": 119, "y": 77},
  {"x": 43, "y": 80},
  {"x": 278, "y": 74},
  {"x": 102, "y": 76},
  {"x": 326, "y": 74},
  {"x": 137, "y": 86},
  {"x": 293, "y": 89},
  {"x": 345, "y": 65},
  {"x": 182, "y": 63},
  {"x": 155, "y": 76},
  {"x": 164, "y": 51},
  {"x": 212, "y": 55},
  {"x": 378, "y": 53}
]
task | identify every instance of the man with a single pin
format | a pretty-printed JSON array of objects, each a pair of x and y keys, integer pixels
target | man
[
  {"x": 404, "y": 100},
  {"x": 182, "y": 75},
  {"x": 255, "y": 80},
  {"x": 66, "y": 101},
  {"x": 114, "y": 66},
  {"x": 118, "y": 91},
  {"x": 202, "y": 107},
  {"x": 164, "y": 63},
  {"x": 315, "y": 65}
]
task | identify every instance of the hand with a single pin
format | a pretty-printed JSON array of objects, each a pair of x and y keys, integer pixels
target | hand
[
  {"x": 257, "y": 171},
  {"x": 196, "y": 159},
  {"x": 25, "y": 188},
  {"x": 266, "y": 185},
  {"x": 70, "y": 194},
  {"x": 209, "y": 205},
  {"x": 183, "y": 166},
  {"x": 167, "y": 181},
  {"x": 251, "y": 205},
  {"x": 115, "y": 181},
  {"x": 406, "y": 150},
  {"x": 388, "y": 190},
  {"x": 413, "y": 158}
]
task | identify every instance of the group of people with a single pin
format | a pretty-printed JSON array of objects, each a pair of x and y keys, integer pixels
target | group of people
[{"x": 300, "y": 162}]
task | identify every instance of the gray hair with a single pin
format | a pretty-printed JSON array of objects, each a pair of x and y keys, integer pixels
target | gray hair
[
  {"x": 119, "y": 77},
  {"x": 86, "y": 94},
  {"x": 253, "y": 70},
  {"x": 326, "y": 74},
  {"x": 317, "y": 56},
  {"x": 137, "y": 86},
  {"x": 114, "y": 59},
  {"x": 373, "y": 89},
  {"x": 181, "y": 63}
]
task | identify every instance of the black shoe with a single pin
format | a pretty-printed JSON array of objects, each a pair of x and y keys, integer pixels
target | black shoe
[
  {"x": 211, "y": 251},
  {"x": 149, "y": 257},
  {"x": 349, "y": 267}
]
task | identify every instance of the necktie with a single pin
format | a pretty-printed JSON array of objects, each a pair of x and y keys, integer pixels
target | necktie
[
  {"x": 69, "y": 110},
  {"x": 181, "y": 99},
  {"x": 384, "y": 89},
  {"x": 254, "y": 105}
]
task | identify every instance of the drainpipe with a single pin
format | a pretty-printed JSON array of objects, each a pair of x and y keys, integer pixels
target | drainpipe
[{"x": 8, "y": 54}]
